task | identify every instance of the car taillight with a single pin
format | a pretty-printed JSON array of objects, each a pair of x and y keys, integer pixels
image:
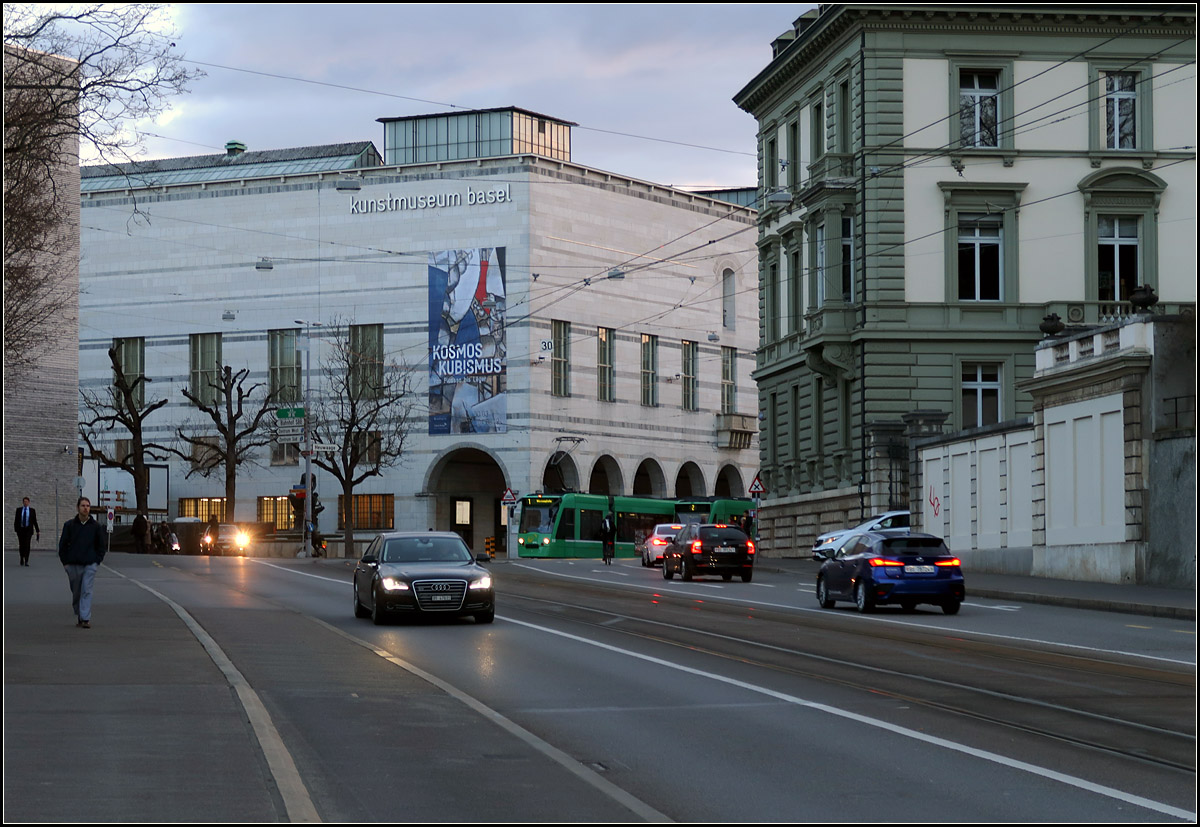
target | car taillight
[
  {"x": 749, "y": 546},
  {"x": 880, "y": 561},
  {"x": 696, "y": 548},
  {"x": 658, "y": 541},
  {"x": 953, "y": 561}
]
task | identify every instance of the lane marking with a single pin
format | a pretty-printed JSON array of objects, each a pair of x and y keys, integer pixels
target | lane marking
[
  {"x": 678, "y": 590},
  {"x": 985, "y": 755},
  {"x": 287, "y": 778},
  {"x": 576, "y": 768}
]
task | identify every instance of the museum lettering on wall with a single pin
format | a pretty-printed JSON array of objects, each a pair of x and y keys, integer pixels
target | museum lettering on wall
[{"x": 432, "y": 200}]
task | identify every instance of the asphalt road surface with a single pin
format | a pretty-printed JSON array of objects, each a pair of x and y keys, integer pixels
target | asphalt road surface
[{"x": 599, "y": 694}]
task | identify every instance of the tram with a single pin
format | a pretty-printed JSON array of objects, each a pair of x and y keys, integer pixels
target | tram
[
  {"x": 568, "y": 525},
  {"x": 712, "y": 509}
]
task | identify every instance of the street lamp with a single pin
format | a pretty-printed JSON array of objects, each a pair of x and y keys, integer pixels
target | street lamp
[{"x": 309, "y": 487}]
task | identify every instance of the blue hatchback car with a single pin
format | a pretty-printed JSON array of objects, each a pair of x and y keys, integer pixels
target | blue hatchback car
[{"x": 880, "y": 567}]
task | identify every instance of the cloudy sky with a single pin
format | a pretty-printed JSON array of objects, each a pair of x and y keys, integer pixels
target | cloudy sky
[{"x": 664, "y": 72}]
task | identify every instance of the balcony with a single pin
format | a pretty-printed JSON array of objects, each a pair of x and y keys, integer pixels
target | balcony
[{"x": 735, "y": 431}]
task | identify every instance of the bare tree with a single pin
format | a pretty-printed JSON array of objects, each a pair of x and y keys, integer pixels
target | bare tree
[
  {"x": 124, "y": 407},
  {"x": 74, "y": 77},
  {"x": 237, "y": 413},
  {"x": 366, "y": 409}
]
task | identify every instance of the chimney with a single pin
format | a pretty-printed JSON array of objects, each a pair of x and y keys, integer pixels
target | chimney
[{"x": 233, "y": 148}]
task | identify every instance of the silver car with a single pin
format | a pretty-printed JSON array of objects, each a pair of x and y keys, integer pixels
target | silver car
[
  {"x": 898, "y": 520},
  {"x": 655, "y": 544}
]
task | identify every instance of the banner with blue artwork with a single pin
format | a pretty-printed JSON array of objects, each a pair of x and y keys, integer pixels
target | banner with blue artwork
[{"x": 468, "y": 357}]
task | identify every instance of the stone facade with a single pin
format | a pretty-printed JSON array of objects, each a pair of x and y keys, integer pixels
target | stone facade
[
  {"x": 41, "y": 408},
  {"x": 908, "y": 253}
]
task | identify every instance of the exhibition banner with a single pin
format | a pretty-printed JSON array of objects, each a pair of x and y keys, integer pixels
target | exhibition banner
[{"x": 467, "y": 351}]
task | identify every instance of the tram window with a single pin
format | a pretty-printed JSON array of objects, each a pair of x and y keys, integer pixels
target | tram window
[
  {"x": 537, "y": 518},
  {"x": 566, "y": 525},
  {"x": 590, "y": 522}
]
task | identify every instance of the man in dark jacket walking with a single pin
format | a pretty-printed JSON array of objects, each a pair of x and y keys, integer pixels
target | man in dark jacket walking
[{"x": 81, "y": 550}]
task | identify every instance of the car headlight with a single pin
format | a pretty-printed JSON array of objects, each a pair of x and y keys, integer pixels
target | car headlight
[
  {"x": 207, "y": 539},
  {"x": 242, "y": 539},
  {"x": 484, "y": 582},
  {"x": 394, "y": 584}
]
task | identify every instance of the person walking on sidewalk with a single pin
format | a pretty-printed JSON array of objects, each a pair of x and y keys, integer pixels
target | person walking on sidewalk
[
  {"x": 26, "y": 525},
  {"x": 81, "y": 550}
]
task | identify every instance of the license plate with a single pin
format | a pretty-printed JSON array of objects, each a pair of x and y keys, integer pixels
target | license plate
[
  {"x": 919, "y": 569},
  {"x": 725, "y": 550},
  {"x": 447, "y": 597}
]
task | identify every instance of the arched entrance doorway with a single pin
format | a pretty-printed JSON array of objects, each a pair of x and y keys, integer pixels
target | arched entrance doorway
[
  {"x": 689, "y": 482},
  {"x": 649, "y": 481},
  {"x": 560, "y": 474},
  {"x": 729, "y": 483},
  {"x": 606, "y": 478},
  {"x": 466, "y": 485}
]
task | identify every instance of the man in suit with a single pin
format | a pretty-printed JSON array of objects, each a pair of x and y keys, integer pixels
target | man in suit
[{"x": 26, "y": 525}]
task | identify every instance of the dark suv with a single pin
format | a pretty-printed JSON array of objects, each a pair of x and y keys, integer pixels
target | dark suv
[
  {"x": 877, "y": 567},
  {"x": 712, "y": 548}
]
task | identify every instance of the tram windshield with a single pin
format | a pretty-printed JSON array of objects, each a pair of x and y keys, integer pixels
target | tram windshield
[{"x": 539, "y": 518}]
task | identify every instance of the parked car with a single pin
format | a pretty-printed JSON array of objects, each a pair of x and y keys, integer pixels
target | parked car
[
  {"x": 229, "y": 540},
  {"x": 886, "y": 521},
  {"x": 653, "y": 546},
  {"x": 422, "y": 574},
  {"x": 709, "y": 548},
  {"x": 874, "y": 568}
]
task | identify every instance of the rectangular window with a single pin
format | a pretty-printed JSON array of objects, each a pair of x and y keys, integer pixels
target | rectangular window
[
  {"x": 606, "y": 339},
  {"x": 205, "y": 356},
  {"x": 687, "y": 371},
  {"x": 980, "y": 264},
  {"x": 366, "y": 360},
  {"x": 844, "y": 125},
  {"x": 1118, "y": 257},
  {"x": 368, "y": 445},
  {"x": 820, "y": 268},
  {"x": 1120, "y": 110},
  {"x": 203, "y": 508},
  {"x": 728, "y": 380},
  {"x": 771, "y": 173},
  {"x": 728, "y": 300},
  {"x": 795, "y": 290},
  {"x": 370, "y": 511},
  {"x": 283, "y": 366},
  {"x": 649, "y": 370},
  {"x": 793, "y": 154},
  {"x": 980, "y": 395},
  {"x": 560, "y": 359},
  {"x": 818, "y": 416},
  {"x": 131, "y": 356},
  {"x": 774, "y": 312},
  {"x": 277, "y": 511},
  {"x": 818, "y": 129},
  {"x": 848, "y": 259},
  {"x": 979, "y": 111}
]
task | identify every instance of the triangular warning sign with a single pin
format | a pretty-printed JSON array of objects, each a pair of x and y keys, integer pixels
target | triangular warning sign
[{"x": 757, "y": 487}]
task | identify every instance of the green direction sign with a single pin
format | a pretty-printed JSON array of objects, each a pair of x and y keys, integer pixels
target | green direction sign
[{"x": 289, "y": 413}]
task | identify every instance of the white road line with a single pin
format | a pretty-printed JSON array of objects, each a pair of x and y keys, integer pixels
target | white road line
[
  {"x": 287, "y": 778},
  {"x": 635, "y": 805},
  {"x": 985, "y": 755}
]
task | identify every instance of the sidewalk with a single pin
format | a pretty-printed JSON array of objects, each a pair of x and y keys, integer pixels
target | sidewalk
[{"x": 1154, "y": 601}]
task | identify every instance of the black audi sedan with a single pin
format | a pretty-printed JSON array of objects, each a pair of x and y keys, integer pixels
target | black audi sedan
[
  {"x": 422, "y": 574},
  {"x": 712, "y": 548}
]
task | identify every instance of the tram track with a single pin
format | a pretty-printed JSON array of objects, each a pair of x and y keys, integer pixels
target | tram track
[{"x": 1125, "y": 710}]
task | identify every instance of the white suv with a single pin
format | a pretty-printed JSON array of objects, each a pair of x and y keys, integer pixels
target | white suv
[{"x": 880, "y": 522}]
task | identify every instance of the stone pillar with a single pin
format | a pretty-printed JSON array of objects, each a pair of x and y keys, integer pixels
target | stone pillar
[
  {"x": 919, "y": 425},
  {"x": 887, "y": 467}
]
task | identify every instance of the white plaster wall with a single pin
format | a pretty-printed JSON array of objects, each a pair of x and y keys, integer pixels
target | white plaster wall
[
  {"x": 1051, "y": 108},
  {"x": 1085, "y": 478},
  {"x": 1174, "y": 90},
  {"x": 926, "y": 98}
]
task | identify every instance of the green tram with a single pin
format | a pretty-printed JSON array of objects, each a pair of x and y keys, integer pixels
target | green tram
[
  {"x": 712, "y": 509},
  {"x": 568, "y": 525}
]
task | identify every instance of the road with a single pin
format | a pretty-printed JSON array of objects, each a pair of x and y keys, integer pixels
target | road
[{"x": 608, "y": 694}]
